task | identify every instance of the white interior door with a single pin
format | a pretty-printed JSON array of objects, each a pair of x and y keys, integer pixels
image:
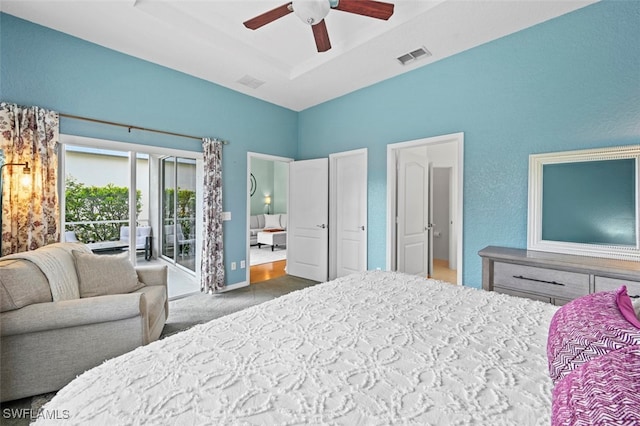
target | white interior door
[
  {"x": 430, "y": 223},
  {"x": 307, "y": 231},
  {"x": 349, "y": 213},
  {"x": 413, "y": 212}
]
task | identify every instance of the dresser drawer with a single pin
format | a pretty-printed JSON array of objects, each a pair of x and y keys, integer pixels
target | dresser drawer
[
  {"x": 522, "y": 294},
  {"x": 548, "y": 282},
  {"x": 609, "y": 284}
]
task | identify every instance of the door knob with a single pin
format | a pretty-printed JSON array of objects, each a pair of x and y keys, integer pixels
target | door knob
[
  {"x": 322, "y": 226},
  {"x": 362, "y": 227}
]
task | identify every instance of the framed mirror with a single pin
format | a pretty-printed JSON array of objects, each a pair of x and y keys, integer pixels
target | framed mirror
[{"x": 585, "y": 202}]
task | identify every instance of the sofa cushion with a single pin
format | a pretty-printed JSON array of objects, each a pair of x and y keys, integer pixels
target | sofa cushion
[
  {"x": 22, "y": 283},
  {"x": 99, "y": 275},
  {"x": 57, "y": 264},
  {"x": 283, "y": 221},
  {"x": 271, "y": 221},
  {"x": 257, "y": 221},
  {"x": 253, "y": 222}
]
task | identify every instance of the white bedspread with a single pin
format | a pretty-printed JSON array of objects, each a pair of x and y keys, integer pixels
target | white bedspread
[{"x": 376, "y": 348}]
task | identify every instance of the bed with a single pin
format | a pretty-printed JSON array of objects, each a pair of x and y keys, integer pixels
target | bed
[{"x": 371, "y": 348}]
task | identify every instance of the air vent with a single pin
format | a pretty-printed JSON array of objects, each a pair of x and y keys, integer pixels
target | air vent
[
  {"x": 413, "y": 56},
  {"x": 252, "y": 82}
]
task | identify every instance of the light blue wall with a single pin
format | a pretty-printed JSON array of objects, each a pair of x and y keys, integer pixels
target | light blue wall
[
  {"x": 272, "y": 178},
  {"x": 280, "y": 186},
  {"x": 39, "y": 66},
  {"x": 263, "y": 172},
  {"x": 569, "y": 83}
]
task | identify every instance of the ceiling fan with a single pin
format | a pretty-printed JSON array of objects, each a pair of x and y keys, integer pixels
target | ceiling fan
[{"x": 313, "y": 12}]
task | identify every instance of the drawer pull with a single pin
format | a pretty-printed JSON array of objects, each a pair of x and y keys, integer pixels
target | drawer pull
[{"x": 520, "y": 277}]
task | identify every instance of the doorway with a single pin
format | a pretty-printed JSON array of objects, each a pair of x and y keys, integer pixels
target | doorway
[
  {"x": 442, "y": 152},
  {"x": 267, "y": 210},
  {"x": 443, "y": 267}
]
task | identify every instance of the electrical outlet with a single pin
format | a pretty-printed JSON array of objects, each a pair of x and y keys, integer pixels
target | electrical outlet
[
  {"x": 233, "y": 266},
  {"x": 243, "y": 264}
]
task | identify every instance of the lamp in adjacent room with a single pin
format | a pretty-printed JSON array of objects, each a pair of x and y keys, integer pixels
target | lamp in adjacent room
[
  {"x": 25, "y": 180},
  {"x": 267, "y": 204}
]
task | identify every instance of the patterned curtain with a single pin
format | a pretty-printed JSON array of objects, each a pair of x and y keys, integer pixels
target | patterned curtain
[
  {"x": 212, "y": 255},
  {"x": 30, "y": 216}
]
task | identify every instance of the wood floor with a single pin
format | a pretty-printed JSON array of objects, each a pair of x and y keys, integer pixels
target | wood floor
[
  {"x": 267, "y": 271},
  {"x": 442, "y": 272}
]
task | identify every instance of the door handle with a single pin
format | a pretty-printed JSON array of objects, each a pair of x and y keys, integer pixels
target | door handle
[
  {"x": 322, "y": 226},
  {"x": 362, "y": 227}
]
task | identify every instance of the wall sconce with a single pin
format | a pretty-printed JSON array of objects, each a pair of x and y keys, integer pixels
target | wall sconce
[
  {"x": 25, "y": 180},
  {"x": 267, "y": 203},
  {"x": 26, "y": 174}
]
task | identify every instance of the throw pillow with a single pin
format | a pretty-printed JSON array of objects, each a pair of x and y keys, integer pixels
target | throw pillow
[
  {"x": 586, "y": 328},
  {"x": 626, "y": 307},
  {"x": 271, "y": 221},
  {"x": 605, "y": 390},
  {"x": 22, "y": 283},
  {"x": 100, "y": 275}
]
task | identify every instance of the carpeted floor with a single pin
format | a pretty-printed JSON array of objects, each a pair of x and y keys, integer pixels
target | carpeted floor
[
  {"x": 200, "y": 308},
  {"x": 183, "y": 314}
]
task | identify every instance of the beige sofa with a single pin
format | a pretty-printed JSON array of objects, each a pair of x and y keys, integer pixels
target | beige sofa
[
  {"x": 260, "y": 222},
  {"x": 66, "y": 310}
]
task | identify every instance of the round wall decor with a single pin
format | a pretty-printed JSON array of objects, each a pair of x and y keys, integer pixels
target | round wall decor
[{"x": 254, "y": 185}]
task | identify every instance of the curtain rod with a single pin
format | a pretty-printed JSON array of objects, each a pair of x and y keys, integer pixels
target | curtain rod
[{"x": 129, "y": 126}]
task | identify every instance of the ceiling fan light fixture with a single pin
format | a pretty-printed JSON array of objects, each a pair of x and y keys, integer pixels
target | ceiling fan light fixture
[{"x": 311, "y": 11}]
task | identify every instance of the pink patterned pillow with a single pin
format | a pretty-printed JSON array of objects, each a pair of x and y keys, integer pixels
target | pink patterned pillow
[
  {"x": 586, "y": 328},
  {"x": 603, "y": 391},
  {"x": 626, "y": 307}
]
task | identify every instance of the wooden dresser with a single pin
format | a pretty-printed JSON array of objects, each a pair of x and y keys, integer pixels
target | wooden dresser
[{"x": 552, "y": 277}]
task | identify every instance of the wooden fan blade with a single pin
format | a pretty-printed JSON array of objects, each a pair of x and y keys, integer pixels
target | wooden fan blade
[
  {"x": 371, "y": 8},
  {"x": 267, "y": 17},
  {"x": 321, "y": 35}
]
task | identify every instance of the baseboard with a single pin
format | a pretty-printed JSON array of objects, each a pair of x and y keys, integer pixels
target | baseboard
[
  {"x": 233, "y": 287},
  {"x": 182, "y": 296}
]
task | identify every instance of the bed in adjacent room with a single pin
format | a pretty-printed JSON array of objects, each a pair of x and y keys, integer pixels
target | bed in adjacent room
[{"x": 370, "y": 348}]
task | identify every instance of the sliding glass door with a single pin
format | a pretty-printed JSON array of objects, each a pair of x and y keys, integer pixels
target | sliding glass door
[
  {"x": 178, "y": 215},
  {"x": 97, "y": 199}
]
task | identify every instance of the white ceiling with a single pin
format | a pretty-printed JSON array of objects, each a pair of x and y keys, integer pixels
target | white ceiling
[{"x": 206, "y": 38}]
